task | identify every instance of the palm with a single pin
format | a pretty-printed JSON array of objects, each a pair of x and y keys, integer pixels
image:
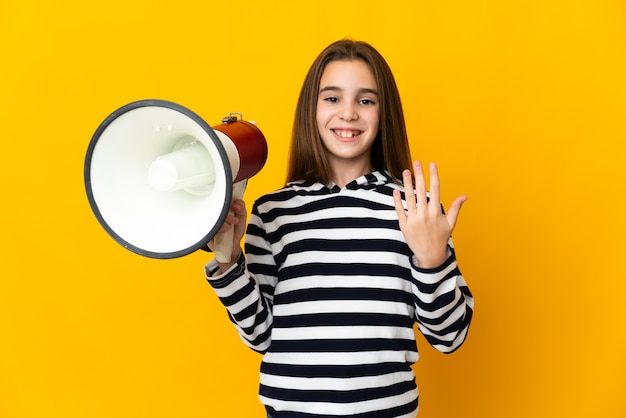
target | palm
[{"x": 424, "y": 226}]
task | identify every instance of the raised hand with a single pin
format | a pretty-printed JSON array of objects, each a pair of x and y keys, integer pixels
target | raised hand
[{"x": 423, "y": 224}]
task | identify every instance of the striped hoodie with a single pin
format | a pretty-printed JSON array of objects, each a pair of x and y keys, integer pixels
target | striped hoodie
[{"x": 329, "y": 292}]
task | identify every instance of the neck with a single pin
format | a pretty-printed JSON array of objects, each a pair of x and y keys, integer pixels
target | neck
[{"x": 343, "y": 174}]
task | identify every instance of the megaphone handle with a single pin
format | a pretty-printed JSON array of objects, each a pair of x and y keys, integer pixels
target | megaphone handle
[{"x": 223, "y": 241}]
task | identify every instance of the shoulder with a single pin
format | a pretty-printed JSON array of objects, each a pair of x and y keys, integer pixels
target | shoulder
[
  {"x": 288, "y": 196},
  {"x": 294, "y": 188}
]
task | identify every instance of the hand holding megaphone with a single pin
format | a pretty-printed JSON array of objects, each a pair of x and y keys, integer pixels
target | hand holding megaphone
[
  {"x": 161, "y": 181},
  {"x": 226, "y": 243}
]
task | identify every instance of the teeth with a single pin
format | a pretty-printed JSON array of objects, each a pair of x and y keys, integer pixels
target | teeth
[{"x": 346, "y": 134}]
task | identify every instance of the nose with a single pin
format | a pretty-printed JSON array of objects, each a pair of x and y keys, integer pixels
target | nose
[{"x": 348, "y": 112}]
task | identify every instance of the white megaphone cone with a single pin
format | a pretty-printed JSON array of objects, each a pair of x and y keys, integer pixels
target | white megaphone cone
[{"x": 160, "y": 180}]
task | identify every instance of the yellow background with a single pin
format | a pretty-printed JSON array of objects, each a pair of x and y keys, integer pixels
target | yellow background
[{"x": 522, "y": 104}]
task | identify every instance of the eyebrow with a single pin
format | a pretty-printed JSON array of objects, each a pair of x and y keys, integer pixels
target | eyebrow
[{"x": 361, "y": 91}]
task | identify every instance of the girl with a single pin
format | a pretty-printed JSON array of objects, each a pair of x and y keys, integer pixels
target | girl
[{"x": 341, "y": 263}]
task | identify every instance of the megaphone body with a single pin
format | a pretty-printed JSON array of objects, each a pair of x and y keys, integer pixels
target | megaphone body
[{"x": 160, "y": 180}]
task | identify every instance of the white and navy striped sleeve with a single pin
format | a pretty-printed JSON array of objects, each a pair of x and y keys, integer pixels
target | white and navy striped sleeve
[
  {"x": 443, "y": 303},
  {"x": 248, "y": 297}
]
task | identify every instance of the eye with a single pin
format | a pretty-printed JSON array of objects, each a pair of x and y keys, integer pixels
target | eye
[
  {"x": 331, "y": 99},
  {"x": 367, "y": 102}
]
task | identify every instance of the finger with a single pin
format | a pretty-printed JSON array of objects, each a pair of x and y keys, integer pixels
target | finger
[
  {"x": 409, "y": 194},
  {"x": 435, "y": 197},
  {"x": 397, "y": 202},
  {"x": 238, "y": 207},
  {"x": 232, "y": 217},
  {"x": 455, "y": 209},
  {"x": 235, "y": 214},
  {"x": 420, "y": 184},
  {"x": 226, "y": 226}
]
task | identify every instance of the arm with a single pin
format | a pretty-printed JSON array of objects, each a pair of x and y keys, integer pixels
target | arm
[
  {"x": 444, "y": 304},
  {"x": 247, "y": 296}
]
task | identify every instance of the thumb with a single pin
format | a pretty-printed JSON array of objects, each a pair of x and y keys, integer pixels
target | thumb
[{"x": 453, "y": 212}]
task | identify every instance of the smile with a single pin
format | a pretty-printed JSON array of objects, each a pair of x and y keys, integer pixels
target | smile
[{"x": 346, "y": 133}]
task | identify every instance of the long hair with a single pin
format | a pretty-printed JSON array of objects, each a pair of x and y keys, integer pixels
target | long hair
[{"x": 390, "y": 150}]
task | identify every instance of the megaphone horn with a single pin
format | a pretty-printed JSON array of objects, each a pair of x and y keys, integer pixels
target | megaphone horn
[{"x": 160, "y": 180}]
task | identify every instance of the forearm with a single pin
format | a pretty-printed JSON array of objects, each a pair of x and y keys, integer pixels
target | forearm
[
  {"x": 241, "y": 295},
  {"x": 444, "y": 304}
]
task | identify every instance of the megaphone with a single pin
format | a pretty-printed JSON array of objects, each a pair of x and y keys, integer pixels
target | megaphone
[{"x": 160, "y": 180}]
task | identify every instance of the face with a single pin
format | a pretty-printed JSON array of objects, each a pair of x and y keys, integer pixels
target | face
[{"x": 348, "y": 113}]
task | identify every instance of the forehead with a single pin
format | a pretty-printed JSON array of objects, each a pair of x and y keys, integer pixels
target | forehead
[{"x": 348, "y": 73}]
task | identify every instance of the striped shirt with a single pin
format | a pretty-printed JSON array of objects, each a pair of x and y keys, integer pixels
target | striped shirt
[{"x": 329, "y": 291}]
